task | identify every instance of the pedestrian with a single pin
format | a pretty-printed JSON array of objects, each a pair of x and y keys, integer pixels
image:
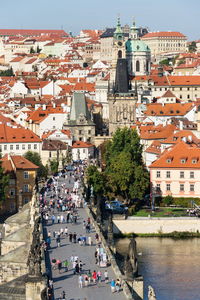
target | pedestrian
[
  {"x": 86, "y": 279},
  {"x": 96, "y": 256},
  {"x": 62, "y": 295},
  {"x": 80, "y": 281},
  {"x": 58, "y": 241},
  {"x": 118, "y": 284},
  {"x": 97, "y": 237},
  {"x": 59, "y": 263},
  {"x": 66, "y": 231},
  {"x": 66, "y": 264},
  {"x": 106, "y": 276},
  {"x": 89, "y": 240},
  {"x": 77, "y": 269},
  {"x": 70, "y": 237},
  {"x": 53, "y": 219},
  {"x": 89, "y": 276},
  {"x": 99, "y": 275},
  {"x": 112, "y": 285},
  {"x": 58, "y": 219},
  {"x": 94, "y": 276},
  {"x": 74, "y": 237}
]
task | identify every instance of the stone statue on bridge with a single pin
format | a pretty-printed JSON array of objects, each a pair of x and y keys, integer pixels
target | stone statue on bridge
[{"x": 131, "y": 264}]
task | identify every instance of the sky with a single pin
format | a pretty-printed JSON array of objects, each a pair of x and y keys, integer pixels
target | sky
[{"x": 74, "y": 15}]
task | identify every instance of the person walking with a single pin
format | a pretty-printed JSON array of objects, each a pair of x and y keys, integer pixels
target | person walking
[
  {"x": 74, "y": 237},
  {"x": 118, "y": 284},
  {"x": 89, "y": 276},
  {"x": 70, "y": 237},
  {"x": 99, "y": 276},
  {"x": 106, "y": 276},
  {"x": 86, "y": 280},
  {"x": 58, "y": 241},
  {"x": 94, "y": 276},
  {"x": 59, "y": 263},
  {"x": 63, "y": 296},
  {"x": 80, "y": 281},
  {"x": 58, "y": 219},
  {"x": 66, "y": 265},
  {"x": 112, "y": 285}
]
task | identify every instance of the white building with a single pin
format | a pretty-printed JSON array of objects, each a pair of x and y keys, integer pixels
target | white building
[{"x": 82, "y": 150}]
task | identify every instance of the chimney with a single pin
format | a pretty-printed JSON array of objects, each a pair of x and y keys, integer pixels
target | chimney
[
  {"x": 190, "y": 138},
  {"x": 54, "y": 105},
  {"x": 44, "y": 107},
  {"x": 181, "y": 125}
]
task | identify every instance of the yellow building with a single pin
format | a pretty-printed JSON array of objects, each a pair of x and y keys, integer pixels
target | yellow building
[
  {"x": 22, "y": 174},
  {"x": 164, "y": 42}
]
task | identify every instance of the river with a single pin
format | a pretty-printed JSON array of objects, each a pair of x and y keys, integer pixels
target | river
[{"x": 171, "y": 267}]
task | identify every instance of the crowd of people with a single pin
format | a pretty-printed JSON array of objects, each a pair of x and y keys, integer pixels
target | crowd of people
[{"x": 59, "y": 203}]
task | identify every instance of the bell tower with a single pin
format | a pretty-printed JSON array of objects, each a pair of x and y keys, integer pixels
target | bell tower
[{"x": 118, "y": 51}]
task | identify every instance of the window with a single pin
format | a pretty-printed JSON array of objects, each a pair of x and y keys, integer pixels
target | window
[
  {"x": 137, "y": 66},
  {"x": 158, "y": 174},
  {"x": 180, "y": 88},
  {"x": 5, "y": 147},
  {"x": 188, "y": 96},
  {"x": 11, "y": 147},
  {"x": 12, "y": 192},
  {"x": 191, "y": 174},
  {"x": 158, "y": 187},
  {"x": 50, "y": 154},
  {"x": 35, "y": 146},
  {"x": 183, "y": 160},
  {"x": 26, "y": 200},
  {"x": 54, "y": 118},
  {"x": 23, "y": 146},
  {"x": 168, "y": 174},
  {"x": 194, "y": 160},
  {"x": 168, "y": 187},
  {"x": 181, "y": 187},
  {"x": 191, "y": 187},
  {"x": 168, "y": 160},
  {"x": 26, "y": 175},
  {"x": 181, "y": 174},
  {"x": 26, "y": 188},
  {"x": 80, "y": 132},
  {"x": 89, "y": 131},
  {"x": 83, "y": 150},
  {"x": 29, "y": 146},
  {"x": 188, "y": 88},
  {"x": 17, "y": 147}
]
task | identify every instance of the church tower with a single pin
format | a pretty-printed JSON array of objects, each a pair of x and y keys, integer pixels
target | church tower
[
  {"x": 118, "y": 51},
  {"x": 138, "y": 54}
]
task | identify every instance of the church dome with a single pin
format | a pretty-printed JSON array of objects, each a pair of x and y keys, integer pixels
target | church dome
[{"x": 136, "y": 46}]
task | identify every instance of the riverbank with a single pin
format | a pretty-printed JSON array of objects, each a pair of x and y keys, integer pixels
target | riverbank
[
  {"x": 158, "y": 227},
  {"x": 173, "y": 235}
]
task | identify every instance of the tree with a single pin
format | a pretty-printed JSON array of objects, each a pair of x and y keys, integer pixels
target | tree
[
  {"x": 8, "y": 72},
  {"x": 96, "y": 179},
  {"x": 168, "y": 200},
  {"x": 192, "y": 47},
  {"x": 35, "y": 158},
  {"x": 125, "y": 171},
  {"x": 4, "y": 181},
  {"x": 165, "y": 62},
  {"x": 54, "y": 166}
]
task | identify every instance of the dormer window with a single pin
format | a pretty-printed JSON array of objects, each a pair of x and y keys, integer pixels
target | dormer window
[
  {"x": 194, "y": 160},
  {"x": 183, "y": 160},
  {"x": 161, "y": 112},
  {"x": 171, "y": 111},
  {"x": 169, "y": 160}
]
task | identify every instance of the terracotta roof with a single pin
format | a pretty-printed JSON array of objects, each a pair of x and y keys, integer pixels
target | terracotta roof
[
  {"x": 81, "y": 86},
  {"x": 40, "y": 114},
  {"x": 53, "y": 145},
  {"x": 163, "y": 34},
  {"x": 169, "y": 109},
  {"x": 168, "y": 93},
  {"x": 181, "y": 156},
  {"x": 160, "y": 132},
  {"x": 49, "y": 133},
  {"x": 32, "y": 32},
  {"x": 16, "y": 134},
  {"x": 154, "y": 148},
  {"x": 176, "y": 137},
  {"x": 81, "y": 144}
]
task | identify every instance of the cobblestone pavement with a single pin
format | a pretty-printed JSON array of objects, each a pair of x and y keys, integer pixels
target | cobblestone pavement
[{"x": 67, "y": 281}]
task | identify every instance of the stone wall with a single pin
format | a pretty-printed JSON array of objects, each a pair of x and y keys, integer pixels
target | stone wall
[{"x": 156, "y": 225}]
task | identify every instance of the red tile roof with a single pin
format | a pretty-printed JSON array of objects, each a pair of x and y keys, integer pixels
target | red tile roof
[
  {"x": 81, "y": 144},
  {"x": 31, "y": 32},
  {"x": 16, "y": 134},
  {"x": 181, "y": 156},
  {"x": 171, "y": 109},
  {"x": 163, "y": 34},
  {"x": 160, "y": 132},
  {"x": 19, "y": 162}
]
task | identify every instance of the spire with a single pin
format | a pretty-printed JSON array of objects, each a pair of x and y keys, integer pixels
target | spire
[
  {"x": 118, "y": 34},
  {"x": 134, "y": 31}
]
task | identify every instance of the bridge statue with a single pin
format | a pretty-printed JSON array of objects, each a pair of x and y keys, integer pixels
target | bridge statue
[{"x": 131, "y": 264}]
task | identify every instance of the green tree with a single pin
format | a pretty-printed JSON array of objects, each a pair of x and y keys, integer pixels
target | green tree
[
  {"x": 4, "y": 181},
  {"x": 8, "y": 72},
  {"x": 192, "y": 47},
  {"x": 168, "y": 200},
  {"x": 96, "y": 179},
  {"x": 165, "y": 62},
  {"x": 32, "y": 50},
  {"x": 35, "y": 158},
  {"x": 125, "y": 172},
  {"x": 54, "y": 166}
]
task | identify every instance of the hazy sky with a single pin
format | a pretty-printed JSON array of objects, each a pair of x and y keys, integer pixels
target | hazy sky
[{"x": 73, "y": 15}]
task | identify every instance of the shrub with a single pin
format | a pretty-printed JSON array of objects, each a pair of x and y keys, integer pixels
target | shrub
[{"x": 168, "y": 200}]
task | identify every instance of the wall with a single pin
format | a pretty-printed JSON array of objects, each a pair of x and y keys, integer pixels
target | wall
[{"x": 156, "y": 225}]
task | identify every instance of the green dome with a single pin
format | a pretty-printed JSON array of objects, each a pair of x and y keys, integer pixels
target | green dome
[{"x": 136, "y": 46}]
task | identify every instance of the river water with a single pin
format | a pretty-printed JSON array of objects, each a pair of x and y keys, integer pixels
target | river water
[{"x": 171, "y": 267}]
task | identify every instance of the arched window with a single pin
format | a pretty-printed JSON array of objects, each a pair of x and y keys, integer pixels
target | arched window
[
  {"x": 137, "y": 66},
  {"x": 120, "y": 54}
]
